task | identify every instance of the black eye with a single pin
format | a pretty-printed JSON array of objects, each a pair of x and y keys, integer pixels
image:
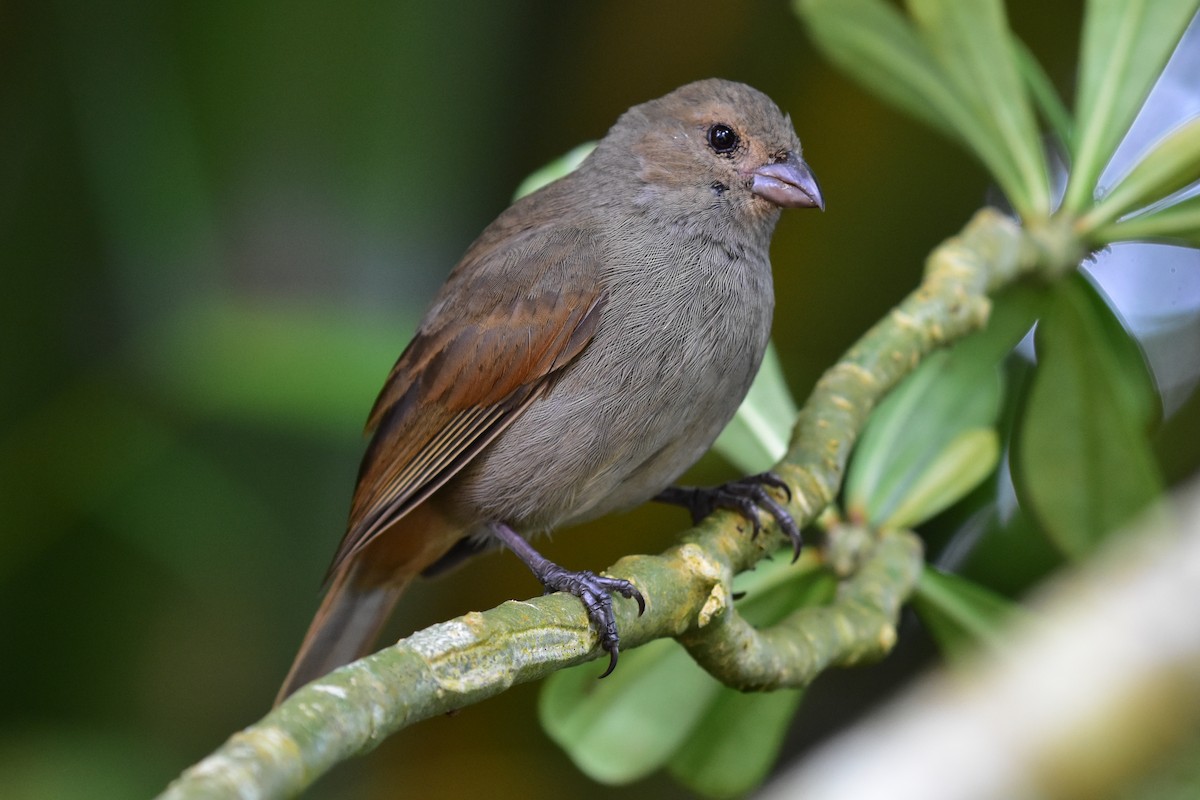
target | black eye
[{"x": 722, "y": 139}]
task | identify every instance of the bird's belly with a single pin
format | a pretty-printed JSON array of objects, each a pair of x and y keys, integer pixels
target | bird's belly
[{"x": 617, "y": 427}]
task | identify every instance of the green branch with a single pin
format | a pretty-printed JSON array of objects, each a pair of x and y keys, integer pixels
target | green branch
[
  {"x": 858, "y": 626},
  {"x": 479, "y": 655}
]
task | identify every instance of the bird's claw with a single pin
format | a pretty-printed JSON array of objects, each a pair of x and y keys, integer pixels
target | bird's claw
[
  {"x": 748, "y": 496},
  {"x": 595, "y": 591}
]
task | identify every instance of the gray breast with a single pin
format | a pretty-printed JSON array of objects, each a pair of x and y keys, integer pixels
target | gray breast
[{"x": 681, "y": 339}]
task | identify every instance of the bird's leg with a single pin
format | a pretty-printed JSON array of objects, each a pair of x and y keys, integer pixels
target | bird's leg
[
  {"x": 746, "y": 495},
  {"x": 592, "y": 589}
]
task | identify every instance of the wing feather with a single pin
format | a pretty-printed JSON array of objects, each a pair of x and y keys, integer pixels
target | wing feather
[{"x": 520, "y": 315}]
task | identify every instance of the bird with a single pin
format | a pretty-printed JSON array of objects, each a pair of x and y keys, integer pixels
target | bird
[{"x": 585, "y": 351}]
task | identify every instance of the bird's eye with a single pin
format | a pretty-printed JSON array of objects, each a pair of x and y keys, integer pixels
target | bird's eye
[{"x": 722, "y": 139}]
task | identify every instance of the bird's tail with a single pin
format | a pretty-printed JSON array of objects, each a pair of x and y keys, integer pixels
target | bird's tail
[
  {"x": 345, "y": 627},
  {"x": 365, "y": 590}
]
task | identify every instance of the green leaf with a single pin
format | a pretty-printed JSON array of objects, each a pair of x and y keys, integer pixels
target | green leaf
[
  {"x": 557, "y": 168},
  {"x": 874, "y": 43},
  {"x": 972, "y": 42},
  {"x": 1082, "y": 459},
  {"x": 897, "y": 469},
  {"x": 1136, "y": 391},
  {"x": 757, "y": 436},
  {"x": 906, "y": 469},
  {"x": 951, "y": 392},
  {"x": 735, "y": 745},
  {"x": 960, "y": 614},
  {"x": 631, "y": 723},
  {"x": 888, "y": 455},
  {"x": 1176, "y": 224},
  {"x": 1172, "y": 164},
  {"x": 1045, "y": 96},
  {"x": 1126, "y": 44},
  {"x": 961, "y": 465},
  {"x": 1011, "y": 554}
]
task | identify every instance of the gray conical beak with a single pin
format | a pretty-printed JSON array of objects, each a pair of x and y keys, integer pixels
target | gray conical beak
[{"x": 788, "y": 184}]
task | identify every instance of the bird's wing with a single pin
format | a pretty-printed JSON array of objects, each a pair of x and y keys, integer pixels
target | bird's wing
[{"x": 520, "y": 315}]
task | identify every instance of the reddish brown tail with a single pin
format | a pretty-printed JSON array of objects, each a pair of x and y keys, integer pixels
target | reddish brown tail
[
  {"x": 344, "y": 629},
  {"x": 364, "y": 592}
]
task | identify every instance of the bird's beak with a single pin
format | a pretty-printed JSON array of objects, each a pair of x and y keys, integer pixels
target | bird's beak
[{"x": 788, "y": 184}]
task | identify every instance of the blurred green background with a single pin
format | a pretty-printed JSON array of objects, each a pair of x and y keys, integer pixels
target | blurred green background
[{"x": 219, "y": 223}]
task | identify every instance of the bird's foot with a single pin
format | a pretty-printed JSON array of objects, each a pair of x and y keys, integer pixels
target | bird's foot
[
  {"x": 748, "y": 496},
  {"x": 593, "y": 590}
]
